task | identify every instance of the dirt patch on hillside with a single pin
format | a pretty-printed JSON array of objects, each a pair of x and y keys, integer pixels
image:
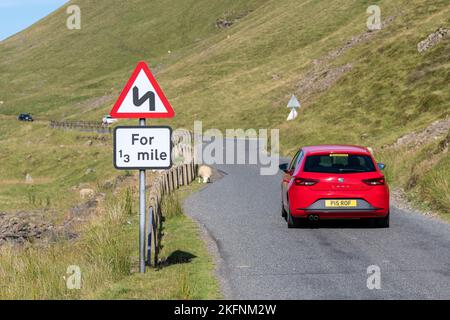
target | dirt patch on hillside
[
  {"x": 21, "y": 227},
  {"x": 400, "y": 200},
  {"x": 38, "y": 226},
  {"x": 230, "y": 18},
  {"x": 96, "y": 102},
  {"x": 434, "y": 131},
  {"x": 322, "y": 75},
  {"x": 317, "y": 81},
  {"x": 433, "y": 39}
]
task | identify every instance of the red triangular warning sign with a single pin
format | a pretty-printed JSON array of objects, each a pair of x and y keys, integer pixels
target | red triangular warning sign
[{"x": 142, "y": 97}]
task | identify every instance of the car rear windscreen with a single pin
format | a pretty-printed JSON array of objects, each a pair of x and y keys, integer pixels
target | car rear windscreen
[{"x": 339, "y": 163}]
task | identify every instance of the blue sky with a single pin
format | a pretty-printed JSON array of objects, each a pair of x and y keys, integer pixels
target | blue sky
[{"x": 16, "y": 15}]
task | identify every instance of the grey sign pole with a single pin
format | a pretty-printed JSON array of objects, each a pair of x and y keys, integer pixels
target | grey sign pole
[{"x": 142, "y": 209}]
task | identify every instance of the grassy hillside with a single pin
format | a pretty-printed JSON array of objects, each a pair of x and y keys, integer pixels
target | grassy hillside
[
  {"x": 106, "y": 253},
  {"x": 366, "y": 91},
  {"x": 224, "y": 76},
  {"x": 53, "y": 71},
  {"x": 355, "y": 87}
]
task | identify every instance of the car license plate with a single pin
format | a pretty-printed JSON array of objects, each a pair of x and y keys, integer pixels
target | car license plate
[{"x": 340, "y": 203}]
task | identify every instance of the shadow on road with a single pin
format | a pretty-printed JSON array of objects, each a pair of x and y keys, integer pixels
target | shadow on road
[{"x": 338, "y": 224}]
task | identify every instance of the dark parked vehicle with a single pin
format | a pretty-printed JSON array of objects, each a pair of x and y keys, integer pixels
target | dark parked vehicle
[{"x": 25, "y": 117}]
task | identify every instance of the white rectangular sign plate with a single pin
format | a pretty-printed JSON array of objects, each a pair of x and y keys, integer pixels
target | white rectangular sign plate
[{"x": 147, "y": 147}]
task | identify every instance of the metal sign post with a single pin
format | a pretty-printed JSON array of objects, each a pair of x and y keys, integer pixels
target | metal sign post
[
  {"x": 142, "y": 147},
  {"x": 142, "y": 206}
]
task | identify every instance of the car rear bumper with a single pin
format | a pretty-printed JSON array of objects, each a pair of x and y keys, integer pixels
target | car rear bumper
[
  {"x": 371, "y": 203},
  {"x": 363, "y": 209}
]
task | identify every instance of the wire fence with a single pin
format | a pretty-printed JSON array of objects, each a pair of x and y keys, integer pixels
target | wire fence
[{"x": 85, "y": 126}]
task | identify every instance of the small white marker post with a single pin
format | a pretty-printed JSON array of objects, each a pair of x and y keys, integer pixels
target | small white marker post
[
  {"x": 142, "y": 209},
  {"x": 293, "y": 104}
]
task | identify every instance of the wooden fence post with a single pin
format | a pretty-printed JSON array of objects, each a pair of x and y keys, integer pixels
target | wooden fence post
[
  {"x": 163, "y": 185},
  {"x": 185, "y": 175},
  {"x": 172, "y": 182},
  {"x": 175, "y": 171},
  {"x": 189, "y": 173}
]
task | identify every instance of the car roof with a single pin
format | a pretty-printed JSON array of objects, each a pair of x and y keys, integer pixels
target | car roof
[{"x": 335, "y": 148}]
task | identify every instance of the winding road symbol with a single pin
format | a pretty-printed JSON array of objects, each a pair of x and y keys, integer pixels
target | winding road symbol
[{"x": 149, "y": 95}]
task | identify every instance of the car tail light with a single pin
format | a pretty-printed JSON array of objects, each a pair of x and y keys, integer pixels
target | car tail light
[
  {"x": 305, "y": 182},
  {"x": 374, "y": 181}
]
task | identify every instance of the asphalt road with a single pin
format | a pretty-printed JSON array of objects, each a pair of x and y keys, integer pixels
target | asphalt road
[{"x": 260, "y": 258}]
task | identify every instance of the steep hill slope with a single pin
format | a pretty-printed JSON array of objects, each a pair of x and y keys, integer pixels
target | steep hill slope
[
  {"x": 54, "y": 68},
  {"x": 357, "y": 87}
]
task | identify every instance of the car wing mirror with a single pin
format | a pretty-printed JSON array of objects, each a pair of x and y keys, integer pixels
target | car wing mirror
[
  {"x": 381, "y": 166},
  {"x": 283, "y": 167}
]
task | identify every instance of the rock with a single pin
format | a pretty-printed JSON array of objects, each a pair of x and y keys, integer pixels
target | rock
[
  {"x": 86, "y": 193},
  {"x": 2, "y": 102},
  {"x": 88, "y": 143},
  {"x": 433, "y": 39},
  {"x": 20, "y": 227},
  {"x": 229, "y": 19},
  {"x": 108, "y": 185},
  {"x": 415, "y": 139},
  {"x": 28, "y": 178},
  {"x": 89, "y": 171},
  {"x": 84, "y": 186},
  {"x": 101, "y": 196},
  {"x": 223, "y": 23},
  {"x": 275, "y": 77}
]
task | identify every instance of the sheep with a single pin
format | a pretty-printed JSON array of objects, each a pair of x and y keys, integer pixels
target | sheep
[{"x": 205, "y": 173}]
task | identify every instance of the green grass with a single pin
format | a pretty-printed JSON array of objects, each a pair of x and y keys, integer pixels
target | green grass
[
  {"x": 223, "y": 77},
  {"x": 423, "y": 173},
  {"x": 188, "y": 272},
  {"x": 107, "y": 254},
  {"x": 58, "y": 161},
  {"x": 103, "y": 253}
]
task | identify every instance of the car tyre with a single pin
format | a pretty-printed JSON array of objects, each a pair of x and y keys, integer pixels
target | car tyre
[
  {"x": 382, "y": 222},
  {"x": 291, "y": 221},
  {"x": 283, "y": 212}
]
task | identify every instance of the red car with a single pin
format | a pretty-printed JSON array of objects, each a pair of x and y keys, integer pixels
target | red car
[{"x": 334, "y": 182}]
